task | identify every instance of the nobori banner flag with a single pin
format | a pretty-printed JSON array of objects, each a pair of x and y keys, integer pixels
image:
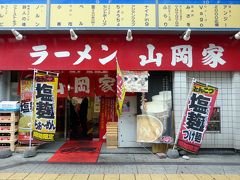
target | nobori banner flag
[
  {"x": 45, "y": 103},
  {"x": 200, "y": 105},
  {"x": 121, "y": 90}
]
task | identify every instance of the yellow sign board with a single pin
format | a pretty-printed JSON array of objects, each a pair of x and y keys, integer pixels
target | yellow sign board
[
  {"x": 23, "y": 15},
  {"x": 199, "y": 16},
  {"x": 120, "y": 15},
  {"x": 103, "y": 15}
]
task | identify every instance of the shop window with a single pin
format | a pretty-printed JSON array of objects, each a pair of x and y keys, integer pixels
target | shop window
[
  {"x": 158, "y": 81},
  {"x": 14, "y": 94},
  {"x": 214, "y": 124},
  {"x": 14, "y": 76}
]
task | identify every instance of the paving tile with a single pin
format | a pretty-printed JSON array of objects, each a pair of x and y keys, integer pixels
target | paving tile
[
  {"x": 127, "y": 177},
  {"x": 16, "y": 176},
  {"x": 65, "y": 177},
  {"x": 5, "y": 175},
  {"x": 219, "y": 176},
  {"x": 49, "y": 176},
  {"x": 204, "y": 176},
  {"x": 96, "y": 177},
  {"x": 34, "y": 176},
  {"x": 143, "y": 176},
  {"x": 189, "y": 177},
  {"x": 158, "y": 177},
  {"x": 80, "y": 176},
  {"x": 111, "y": 177},
  {"x": 233, "y": 176},
  {"x": 174, "y": 177}
]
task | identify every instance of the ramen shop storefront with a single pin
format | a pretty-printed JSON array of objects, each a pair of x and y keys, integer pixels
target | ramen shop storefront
[{"x": 167, "y": 58}]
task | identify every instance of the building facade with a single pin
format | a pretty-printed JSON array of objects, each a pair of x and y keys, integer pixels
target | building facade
[{"x": 158, "y": 45}]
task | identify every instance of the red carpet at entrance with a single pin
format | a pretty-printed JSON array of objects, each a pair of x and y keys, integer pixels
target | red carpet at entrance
[{"x": 77, "y": 152}]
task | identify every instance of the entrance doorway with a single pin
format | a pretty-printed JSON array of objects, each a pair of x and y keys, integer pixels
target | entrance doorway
[{"x": 83, "y": 121}]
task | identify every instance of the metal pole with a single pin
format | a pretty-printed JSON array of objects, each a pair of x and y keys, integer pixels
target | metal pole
[{"x": 33, "y": 93}]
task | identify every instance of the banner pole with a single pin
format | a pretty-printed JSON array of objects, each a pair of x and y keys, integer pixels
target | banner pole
[
  {"x": 189, "y": 92},
  {"x": 33, "y": 93}
]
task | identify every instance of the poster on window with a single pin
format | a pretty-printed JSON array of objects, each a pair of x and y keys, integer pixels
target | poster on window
[
  {"x": 136, "y": 81},
  {"x": 25, "y": 111},
  {"x": 44, "y": 109},
  {"x": 198, "y": 112}
]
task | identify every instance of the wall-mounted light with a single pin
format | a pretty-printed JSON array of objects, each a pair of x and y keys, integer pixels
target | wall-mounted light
[
  {"x": 129, "y": 36},
  {"x": 237, "y": 36},
  {"x": 73, "y": 35},
  {"x": 17, "y": 35},
  {"x": 186, "y": 35}
]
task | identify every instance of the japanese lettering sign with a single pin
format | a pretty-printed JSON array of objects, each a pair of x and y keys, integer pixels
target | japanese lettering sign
[
  {"x": 81, "y": 84},
  {"x": 198, "y": 113},
  {"x": 91, "y": 13},
  {"x": 86, "y": 83},
  {"x": 23, "y": 13},
  {"x": 197, "y": 15},
  {"x": 99, "y": 52},
  {"x": 107, "y": 14},
  {"x": 105, "y": 84},
  {"x": 45, "y": 102}
]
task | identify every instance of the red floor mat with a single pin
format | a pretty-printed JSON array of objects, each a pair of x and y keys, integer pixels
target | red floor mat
[{"x": 77, "y": 151}]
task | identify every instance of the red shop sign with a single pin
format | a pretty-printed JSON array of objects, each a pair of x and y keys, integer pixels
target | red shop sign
[
  {"x": 105, "y": 85},
  {"x": 99, "y": 52},
  {"x": 81, "y": 84}
]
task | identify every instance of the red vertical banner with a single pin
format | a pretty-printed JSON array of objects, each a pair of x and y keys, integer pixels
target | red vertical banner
[
  {"x": 102, "y": 121},
  {"x": 81, "y": 84},
  {"x": 200, "y": 106},
  {"x": 62, "y": 85},
  {"x": 107, "y": 114}
]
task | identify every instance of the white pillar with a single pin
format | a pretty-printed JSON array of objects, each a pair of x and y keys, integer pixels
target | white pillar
[{"x": 236, "y": 109}]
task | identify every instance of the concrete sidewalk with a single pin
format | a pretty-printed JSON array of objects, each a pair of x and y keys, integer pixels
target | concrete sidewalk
[
  {"x": 123, "y": 161},
  {"x": 126, "y": 164}
]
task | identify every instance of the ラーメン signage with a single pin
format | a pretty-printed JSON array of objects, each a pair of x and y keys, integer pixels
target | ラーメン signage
[{"x": 99, "y": 52}]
